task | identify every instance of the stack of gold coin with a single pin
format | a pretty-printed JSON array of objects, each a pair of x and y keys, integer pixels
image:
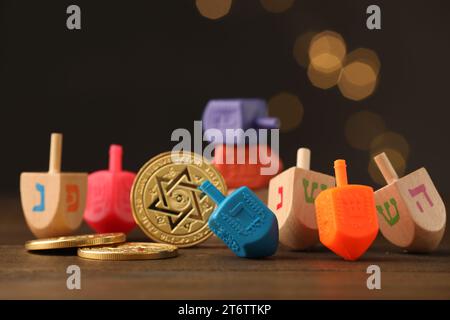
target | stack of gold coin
[
  {"x": 107, "y": 246},
  {"x": 166, "y": 201}
]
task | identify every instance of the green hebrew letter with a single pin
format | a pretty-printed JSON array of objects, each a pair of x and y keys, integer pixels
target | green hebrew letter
[
  {"x": 310, "y": 198},
  {"x": 391, "y": 220}
]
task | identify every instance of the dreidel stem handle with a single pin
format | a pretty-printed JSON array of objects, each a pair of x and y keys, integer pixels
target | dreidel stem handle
[
  {"x": 340, "y": 172},
  {"x": 267, "y": 123},
  {"x": 386, "y": 168},
  {"x": 303, "y": 158},
  {"x": 115, "y": 158},
  {"x": 212, "y": 192},
  {"x": 55, "y": 153}
]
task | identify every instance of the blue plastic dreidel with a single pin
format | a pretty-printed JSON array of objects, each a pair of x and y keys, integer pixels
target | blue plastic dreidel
[{"x": 243, "y": 222}]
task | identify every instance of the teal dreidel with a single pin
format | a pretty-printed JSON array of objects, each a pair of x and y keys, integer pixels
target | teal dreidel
[{"x": 243, "y": 222}]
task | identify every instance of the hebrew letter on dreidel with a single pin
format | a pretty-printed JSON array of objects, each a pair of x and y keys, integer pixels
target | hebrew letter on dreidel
[
  {"x": 310, "y": 198},
  {"x": 41, "y": 206},
  {"x": 280, "y": 204},
  {"x": 72, "y": 197},
  {"x": 62, "y": 208},
  {"x": 418, "y": 190},
  {"x": 391, "y": 220}
]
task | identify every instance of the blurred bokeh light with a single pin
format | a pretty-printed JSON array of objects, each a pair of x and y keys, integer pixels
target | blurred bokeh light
[
  {"x": 362, "y": 128},
  {"x": 288, "y": 108},
  {"x": 213, "y": 9},
  {"x": 277, "y": 6},
  {"x": 366, "y": 56},
  {"x": 397, "y": 160},
  {"x": 301, "y": 48},
  {"x": 359, "y": 76},
  {"x": 392, "y": 141},
  {"x": 321, "y": 79},
  {"x": 328, "y": 43},
  {"x": 326, "y": 53}
]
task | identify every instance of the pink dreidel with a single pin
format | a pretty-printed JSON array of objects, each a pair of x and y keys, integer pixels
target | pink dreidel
[{"x": 108, "y": 200}]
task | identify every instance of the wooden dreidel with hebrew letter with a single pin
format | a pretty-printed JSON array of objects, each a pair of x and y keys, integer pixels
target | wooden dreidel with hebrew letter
[
  {"x": 53, "y": 202},
  {"x": 346, "y": 216},
  {"x": 108, "y": 200},
  {"x": 291, "y": 198},
  {"x": 410, "y": 211},
  {"x": 243, "y": 222}
]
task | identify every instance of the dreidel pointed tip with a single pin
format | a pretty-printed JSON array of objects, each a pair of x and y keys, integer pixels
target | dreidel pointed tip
[
  {"x": 115, "y": 158},
  {"x": 212, "y": 192}
]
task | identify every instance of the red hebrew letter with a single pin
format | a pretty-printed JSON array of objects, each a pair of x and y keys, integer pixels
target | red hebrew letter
[
  {"x": 72, "y": 197},
  {"x": 280, "y": 192}
]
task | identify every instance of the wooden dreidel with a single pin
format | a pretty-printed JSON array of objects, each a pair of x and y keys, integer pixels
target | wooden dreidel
[
  {"x": 291, "y": 198},
  {"x": 410, "y": 211},
  {"x": 346, "y": 216},
  {"x": 243, "y": 222},
  {"x": 108, "y": 200},
  {"x": 53, "y": 203}
]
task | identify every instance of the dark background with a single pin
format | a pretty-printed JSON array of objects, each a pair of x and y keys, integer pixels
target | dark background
[{"x": 140, "y": 69}]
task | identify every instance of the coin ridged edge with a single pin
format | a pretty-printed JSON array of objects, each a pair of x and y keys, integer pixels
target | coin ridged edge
[
  {"x": 126, "y": 256},
  {"x": 35, "y": 245}
]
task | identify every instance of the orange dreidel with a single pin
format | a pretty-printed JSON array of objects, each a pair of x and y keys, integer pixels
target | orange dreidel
[
  {"x": 53, "y": 202},
  {"x": 346, "y": 216},
  {"x": 108, "y": 200},
  {"x": 410, "y": 211}
]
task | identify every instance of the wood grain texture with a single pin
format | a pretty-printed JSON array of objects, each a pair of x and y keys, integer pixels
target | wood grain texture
[{"x": 211, "y": 271}]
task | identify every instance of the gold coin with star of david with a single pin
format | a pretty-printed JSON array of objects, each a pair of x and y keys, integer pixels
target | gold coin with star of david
[{"x": 166, "y": 202}]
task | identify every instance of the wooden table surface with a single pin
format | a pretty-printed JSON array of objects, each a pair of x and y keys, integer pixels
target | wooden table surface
[{"x": 211, "y": 271}]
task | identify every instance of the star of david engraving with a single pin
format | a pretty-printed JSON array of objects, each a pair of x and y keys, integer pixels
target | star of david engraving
[{"x": 162, "y": 206}]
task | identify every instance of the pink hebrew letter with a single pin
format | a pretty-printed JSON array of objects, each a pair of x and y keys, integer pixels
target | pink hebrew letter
[{"x": 417, "y": 191}]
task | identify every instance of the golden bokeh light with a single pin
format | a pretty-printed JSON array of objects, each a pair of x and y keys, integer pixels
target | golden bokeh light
[
  {"x": 277, "y": 6},
  {"x": 327, "y": 51},
  {"x": 362, "y": 128},
  {"x": 301, "y": 48},
  {"x": 213, "y": 9},
  {"x": 321, "y": 79},
  {"x": 397, "y": 160},
  {"x": 359, "y": 76},
  {"x": 390, "y": 140},
  {"x": 326, "y": 55},
  {"x": 288, "y": 108},
  {"x": 358, "y": 81},
  {"x": 366, "y": 56}
]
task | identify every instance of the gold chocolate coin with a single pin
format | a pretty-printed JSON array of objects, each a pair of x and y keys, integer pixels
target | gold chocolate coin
[
  {"x": 86, "y": 240},
  {"x": 166, "y": 201},
  {"x": 130, "y": 251}
]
